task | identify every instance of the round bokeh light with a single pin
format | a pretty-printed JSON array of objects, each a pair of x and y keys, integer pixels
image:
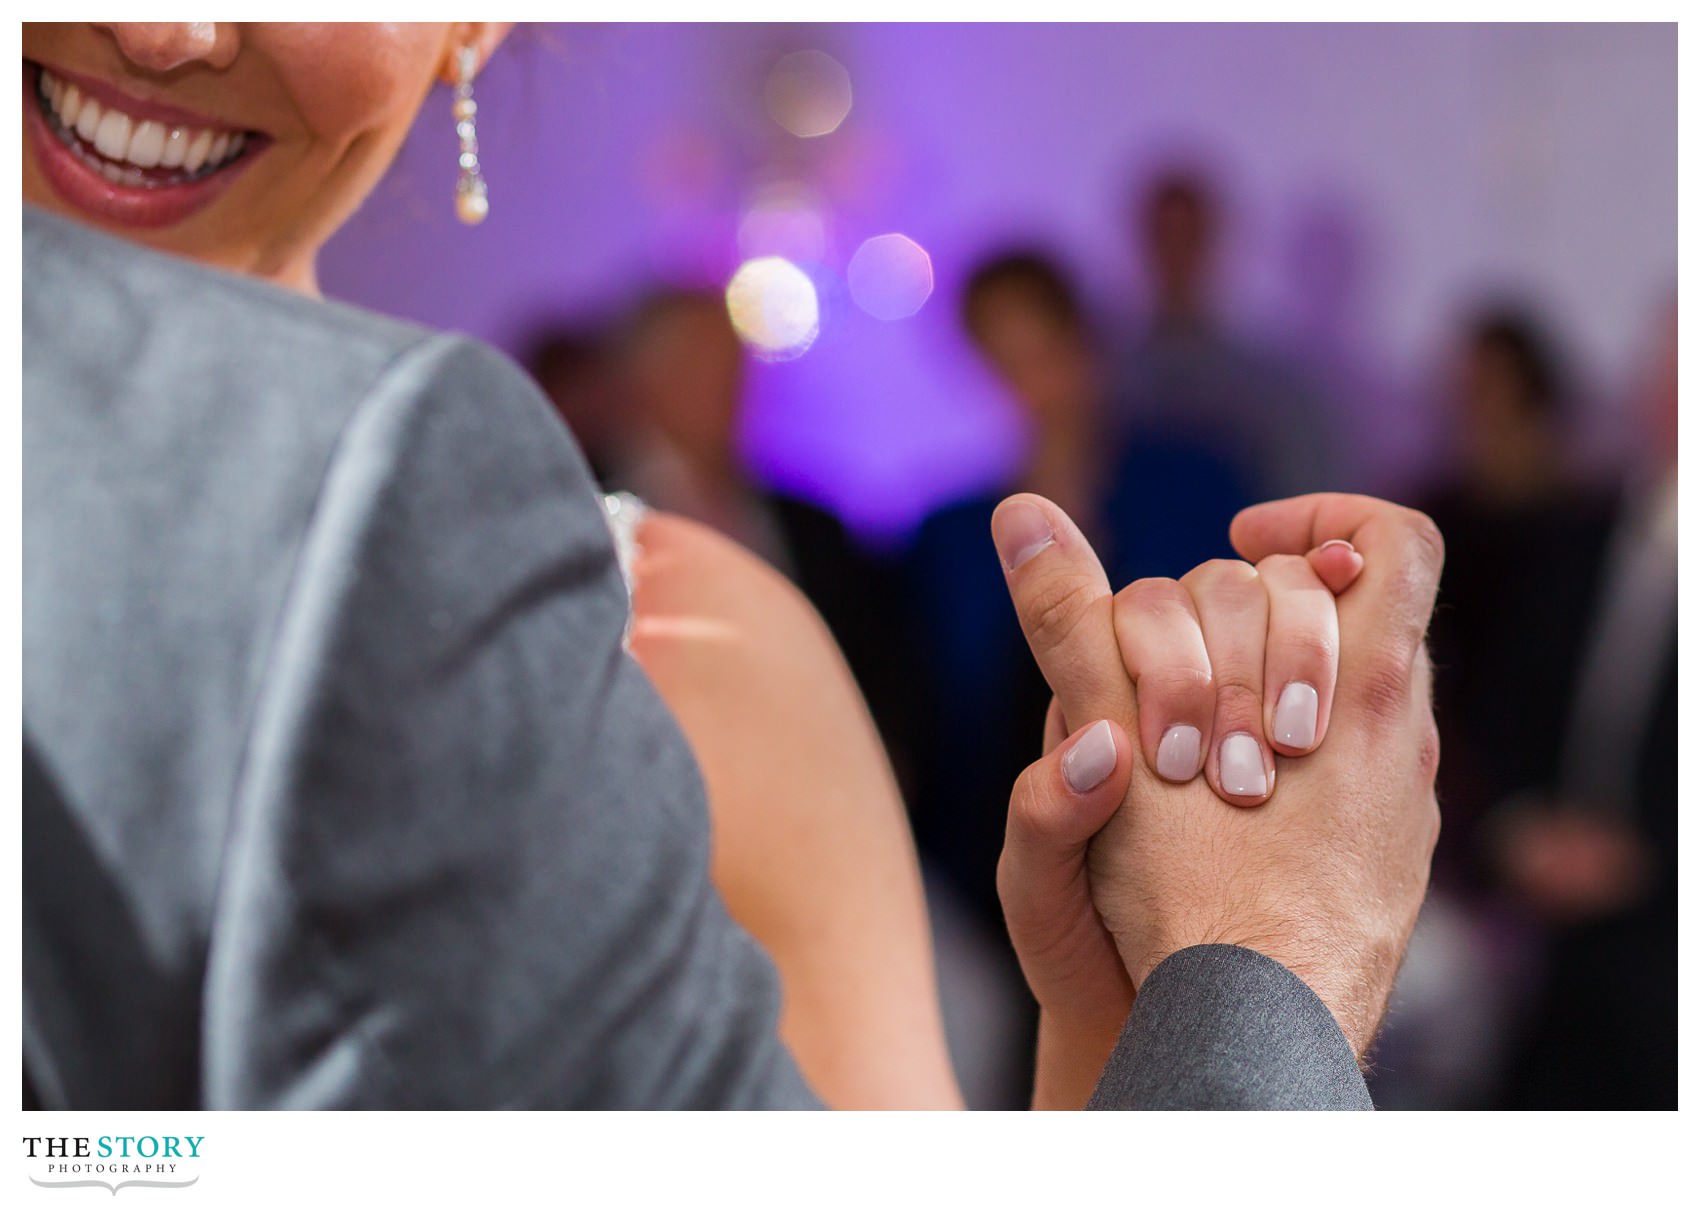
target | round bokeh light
[{"x": 774, "y": 307}]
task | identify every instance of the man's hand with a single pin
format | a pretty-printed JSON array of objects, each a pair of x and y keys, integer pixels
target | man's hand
[
  {"x": 1336, "y": 870},
  {"x": 1327, "y": 877}
]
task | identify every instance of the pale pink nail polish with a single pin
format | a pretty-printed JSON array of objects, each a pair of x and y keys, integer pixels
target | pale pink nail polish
[
  {"x": 1177, "y": 753},
  {"x": 1090, "y": 759},
  {"x": 1295, "y": 716},
  {"x": 1242, "y": 766}
]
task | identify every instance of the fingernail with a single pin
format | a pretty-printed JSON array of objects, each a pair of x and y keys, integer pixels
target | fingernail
[
  {"x": 1177, "y": 753},
  {"x": 1242, "y": 766},
  {"x": 1089, "y": 760},
  {"x": 1337, "y": 543},
  {"x": 1295, "y": 716},
  {"x": 1020, "y": 532}
]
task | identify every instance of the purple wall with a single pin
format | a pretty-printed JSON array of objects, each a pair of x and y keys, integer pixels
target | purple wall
[{"x": 1378, "y": 177}]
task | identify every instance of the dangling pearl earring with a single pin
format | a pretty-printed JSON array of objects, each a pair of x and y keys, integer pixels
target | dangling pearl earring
[{"x": 472, "y": 196}]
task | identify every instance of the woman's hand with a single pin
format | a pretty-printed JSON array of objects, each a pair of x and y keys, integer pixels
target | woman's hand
[
  {"x": 1222, "y": 669},
  {"x": 1069, "y": 958}
]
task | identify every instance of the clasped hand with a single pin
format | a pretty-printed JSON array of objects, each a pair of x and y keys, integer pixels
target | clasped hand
[{"x": 1118, "y": 854}]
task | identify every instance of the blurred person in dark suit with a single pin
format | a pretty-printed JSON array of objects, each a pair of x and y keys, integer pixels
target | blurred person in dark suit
[
  {"x": 1594, "y": 861},
  {"x": 681, "y": 366},
  {"x": 574, "y": 363},
  {"x": 1524, "y": 545},
  {"x": 1526, "y": 541},
  {"x": 1190, "y": 374},
  {"x": 1553, "y": 637}
]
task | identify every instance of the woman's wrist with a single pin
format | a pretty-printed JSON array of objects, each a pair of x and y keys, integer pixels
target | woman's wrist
[{"x": 1071, "y": 1054}]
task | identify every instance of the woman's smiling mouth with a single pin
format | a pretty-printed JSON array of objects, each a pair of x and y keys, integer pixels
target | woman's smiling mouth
[{"x": 128, "y": 161}]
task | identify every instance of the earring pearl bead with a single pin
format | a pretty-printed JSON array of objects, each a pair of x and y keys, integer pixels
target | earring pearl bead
[{"x": 471, "y": 208}]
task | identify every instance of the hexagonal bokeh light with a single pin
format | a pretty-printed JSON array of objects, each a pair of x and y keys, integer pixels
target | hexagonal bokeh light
[
  {"x": 808, "y": 93},
  {"x": 774, "y": 308},
  {"x": 890, "y": 276}
]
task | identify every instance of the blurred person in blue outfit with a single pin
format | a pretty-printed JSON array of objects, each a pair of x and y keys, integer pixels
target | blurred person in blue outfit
[{"x": 1189, "y": 375}]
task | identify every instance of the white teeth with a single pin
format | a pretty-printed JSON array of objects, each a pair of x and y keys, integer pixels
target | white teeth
[
  {"x": 197, "y": 153},
  {"x": 176, "y": 146},
  {"x": 135, "y": 143},
  {"x": 88, "y": 119},
  {"x": 112, "y": 136},
  {"x": 122, "y": 176},
  {"x": 147, "y": 144}
]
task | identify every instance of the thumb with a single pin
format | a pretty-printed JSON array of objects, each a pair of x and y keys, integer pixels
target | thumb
[
  {"x": 1059, "y": 803},
  {"x": 1063, "y": 601}
]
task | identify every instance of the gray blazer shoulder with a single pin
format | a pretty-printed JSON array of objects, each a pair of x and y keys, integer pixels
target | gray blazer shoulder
[{"x": 340, "y": 789}]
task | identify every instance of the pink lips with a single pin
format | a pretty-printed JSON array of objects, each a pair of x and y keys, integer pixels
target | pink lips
[{"x": 150, "y": 205}]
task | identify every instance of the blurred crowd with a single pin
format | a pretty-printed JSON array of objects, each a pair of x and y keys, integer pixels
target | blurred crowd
[{"x": 1543, "y": 971}]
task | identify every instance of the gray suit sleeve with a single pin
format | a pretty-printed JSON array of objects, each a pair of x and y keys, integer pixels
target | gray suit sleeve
[
  {"x": 469, "y": 859},
  {"x": 1224, "y": 1028}
]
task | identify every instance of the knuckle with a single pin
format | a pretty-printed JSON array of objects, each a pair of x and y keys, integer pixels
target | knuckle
[
  {"x": 1178, "y": 686},
  {"x": 1283, "y": 565},
  {"x": 1220, "y": 575},
  {"x": 1428, "y": 753},
  {"x": 1430, "y": 543},
  {"x": 1385, "y": 687},
  {"x": 1308, "y": 650},
  {"x": 1025, "y": 825},
  {"x": 1055, "y": 610},
  {"x": 1153, "y": 597},
  {"x": 1418, "y": 571},
  {"x": 1009, "y": 887},
  {"x": 1025, "y": 803},
  {"x": 1238, "y": 694}
]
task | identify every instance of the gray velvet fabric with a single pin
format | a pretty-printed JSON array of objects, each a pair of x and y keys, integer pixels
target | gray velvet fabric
[
  {"x": 1224, "y": 1028},
  {"x": 340, "y": 790}
]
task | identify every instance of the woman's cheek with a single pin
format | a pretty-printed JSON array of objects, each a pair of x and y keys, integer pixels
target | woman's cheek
[{"x": 349, "y": 81}]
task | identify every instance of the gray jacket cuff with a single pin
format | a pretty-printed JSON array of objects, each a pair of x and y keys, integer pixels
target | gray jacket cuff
[{"x": 1219, "y": 1027}]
